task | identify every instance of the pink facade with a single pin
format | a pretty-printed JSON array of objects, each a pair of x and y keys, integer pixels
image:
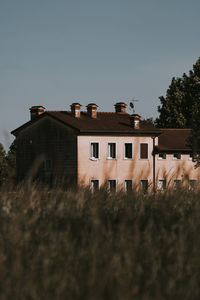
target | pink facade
[
  {"x": 120, "y": 168},
  {"x": 181, "y": 169},
  {"x": 136, "y": 169}
]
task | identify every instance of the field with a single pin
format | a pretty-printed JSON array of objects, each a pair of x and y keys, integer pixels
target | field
[{"x": 75, "y": 244}]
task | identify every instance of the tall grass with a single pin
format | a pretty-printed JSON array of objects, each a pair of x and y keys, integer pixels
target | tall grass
[{"x": 75, "y": 244}]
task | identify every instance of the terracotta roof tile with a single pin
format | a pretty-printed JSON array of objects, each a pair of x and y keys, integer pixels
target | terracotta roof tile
[
  {"x": 105, "y": 122},
  {"x": 174, "y": 139}
]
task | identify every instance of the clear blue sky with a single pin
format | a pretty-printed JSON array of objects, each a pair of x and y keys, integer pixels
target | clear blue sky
[{"x": 55, "y": 52}]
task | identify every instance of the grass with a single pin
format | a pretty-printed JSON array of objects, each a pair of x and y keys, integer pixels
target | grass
[{"x": 75, "y": 244}]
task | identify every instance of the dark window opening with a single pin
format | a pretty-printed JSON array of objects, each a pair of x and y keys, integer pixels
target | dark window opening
[
  {"x": 111, "y": 150},
  {"x": 112, "y": 185},
  {"x": 144, "y": 185},
  {"x": 95, "y": 150},
  {"x": 128, "y": 150},
  {"x": 128, "y": 185},
  {"x": 95, "y": 184}
]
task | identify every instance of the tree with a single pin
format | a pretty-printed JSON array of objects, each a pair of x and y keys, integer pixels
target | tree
[
  {"x": 11, "y": 162},
  {"x": 181, "y": 106},
  {"x": 3, "y": 165},
  {"x": 149, "y": 121}
]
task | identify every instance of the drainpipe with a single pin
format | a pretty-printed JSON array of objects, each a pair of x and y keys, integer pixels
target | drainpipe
[{"x": 154, "y": 166}]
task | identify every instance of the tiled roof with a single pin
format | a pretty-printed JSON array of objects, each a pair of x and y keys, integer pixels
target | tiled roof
[
  {"x": 106, "y": 122},
  {"x": 174, "y": 139}
]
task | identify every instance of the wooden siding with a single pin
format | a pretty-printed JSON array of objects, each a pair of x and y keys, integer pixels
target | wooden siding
[{"x": 47, "y": 139}]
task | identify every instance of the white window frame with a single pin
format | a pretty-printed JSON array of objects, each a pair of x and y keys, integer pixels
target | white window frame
[
  {"x": 127, "y": 158},
  {"x": 147, "y": 152},
  {"x": 125, "y": 186},
  {"x": 190, "y": 157},
  {"x": 194, "y": 180},
  {"x": 91, "y": 186},
  {"x": 141, "y": 180},
  {"x": 110, "y": 179},
  {"x": 164, "y": 185},
  {"x": 91, "y": 150},
  {"x": 175, "y": 158},
  {"x": 109, "y": 157},
  {"x": 161, "y": 158}
]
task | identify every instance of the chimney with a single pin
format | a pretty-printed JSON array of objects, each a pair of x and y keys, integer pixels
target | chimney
[
  {"x": 76, "y": 110},
  {"x": 36, "y": 111},
  {"x": 92, "y": 110},
  {"x": 135, "y": 121},
  {"x": 120, "y": 107}
]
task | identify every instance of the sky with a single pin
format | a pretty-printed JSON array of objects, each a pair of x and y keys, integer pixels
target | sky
[{"x": 56, "y": 52}]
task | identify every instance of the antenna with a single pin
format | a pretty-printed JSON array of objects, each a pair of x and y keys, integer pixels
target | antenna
[{"x": 131, "y": 104}]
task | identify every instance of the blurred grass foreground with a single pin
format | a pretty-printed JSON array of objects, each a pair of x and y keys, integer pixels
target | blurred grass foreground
[{"x": 75, "y": 244}]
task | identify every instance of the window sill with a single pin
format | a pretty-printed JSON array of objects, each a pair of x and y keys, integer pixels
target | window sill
[
  {"x": 176, "y": 158},
  {"x": 126, "y": 158},
  {"x": 94, "y": 159},
  {"x": 111, "y": 158},
  {"x": 161, "y": 158}
]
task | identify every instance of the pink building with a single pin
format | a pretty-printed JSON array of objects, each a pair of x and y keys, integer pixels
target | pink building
[{"x": 97, "y": 148}]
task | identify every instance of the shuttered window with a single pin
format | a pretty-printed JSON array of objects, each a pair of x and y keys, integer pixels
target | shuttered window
[{"x": 143, "y": 151}]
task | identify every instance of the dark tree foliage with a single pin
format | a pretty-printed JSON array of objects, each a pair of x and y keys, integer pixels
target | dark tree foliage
[
  {"x": 7, "y": 164},
  {"x": 149, "y": 121},
  {"x": 11, "y": 162},
  {"x": 181, "y": 106},
  {"x": 3, "y": 165}
]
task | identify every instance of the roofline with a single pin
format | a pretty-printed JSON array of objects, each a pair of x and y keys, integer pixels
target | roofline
[{"x": 46, "y": 113}]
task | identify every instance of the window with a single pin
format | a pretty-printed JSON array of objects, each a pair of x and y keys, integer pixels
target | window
[
  {"x": 192, "y": 184},
  {"x": 111, "y": 150},
  {"x": 47, "y": 165},
  {"x": 144, "y": 185},
  {"x": 94, "y": 150},
  {"x": 128, "y": 152},
  {"x": 177, "y": 155},
  {"x": 161, "y": 184},
  {"x": 162, "y": 156},
  {"x": 128, "y": 185},
  {"x": 112, "y": 185},
  {"x": 94, "y": 184},
  {"x": 144, "y": 151},
  {"x": 191, "y": 156},
  {"x": 177, "y": 184}
]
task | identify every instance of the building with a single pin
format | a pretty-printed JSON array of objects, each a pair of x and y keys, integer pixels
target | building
[{"x": 96, "y": 148}]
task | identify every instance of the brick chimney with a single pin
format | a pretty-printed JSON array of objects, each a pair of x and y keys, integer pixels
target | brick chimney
[
  {"x": 76, "y": 110},
  {"x": 120, "y": 107},
  {"x": 36, "y": 111},
  {"x": 135, "y": 121},
  {"x": 92, "y": 110}
]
